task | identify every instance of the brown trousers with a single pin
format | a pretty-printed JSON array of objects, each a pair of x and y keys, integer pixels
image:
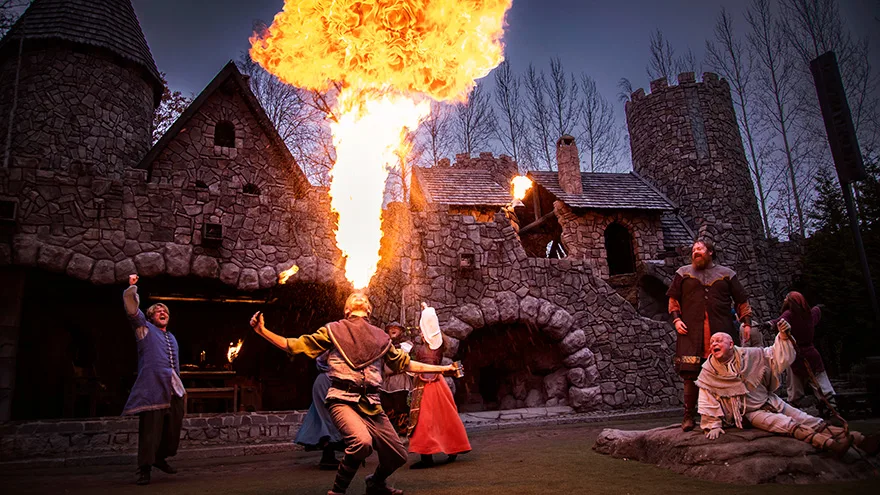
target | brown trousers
[
  {"x": 364, "y": 433},
  {"x": 159, "y": 433}
]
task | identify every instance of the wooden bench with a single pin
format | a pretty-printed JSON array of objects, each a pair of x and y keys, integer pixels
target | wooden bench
[{"x": 212, "y": 393}]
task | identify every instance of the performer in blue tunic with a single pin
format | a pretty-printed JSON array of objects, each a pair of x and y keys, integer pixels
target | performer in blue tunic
[
  {"x": 317, "y": 430},
  {"x": 157, "y": 394}
]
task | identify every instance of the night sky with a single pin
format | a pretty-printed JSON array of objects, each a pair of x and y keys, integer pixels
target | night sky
[{"x": 192, "y": 40}]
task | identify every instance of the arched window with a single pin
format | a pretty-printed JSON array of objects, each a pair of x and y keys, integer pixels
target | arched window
[
  {"x": 251, "y": 188},
  {"x": 224, "y": 134},
  {"x": 618, "y": 246}
]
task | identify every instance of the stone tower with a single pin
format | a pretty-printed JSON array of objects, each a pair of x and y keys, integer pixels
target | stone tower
[
  {"x": 83, "y": 85},
  {"x": 685, "y": 141}
]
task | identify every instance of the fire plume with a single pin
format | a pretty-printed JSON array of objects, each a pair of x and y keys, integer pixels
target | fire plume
[
  {"x": 521, "y": 185},
  {"x": 386, "y": 58},
  {"x": 286, "y": 274},
  {"x": 233, "y": 350}
]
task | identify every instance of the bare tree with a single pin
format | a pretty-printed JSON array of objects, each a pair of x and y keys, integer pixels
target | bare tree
[
  {"x": 10, "y": 10},
  {"x": 299, "y": 116},
  {"x": 662, "y": 62},
  {"x": 435, "y": 134},
  {"x": 511, "y": 122},
  {"x": 538, "y": 115},
  {"x": 727, "y": 56},
  {"x": 473, "y": 122},
  {"x": 599, "y": 140},
  {"x": 624, "y": 90},
  {"x": 778, "y": 96},
  {"x": 562, "y": 91},
  {"x": 172, "y": 104},
  {"x": 397, "y": 187}
]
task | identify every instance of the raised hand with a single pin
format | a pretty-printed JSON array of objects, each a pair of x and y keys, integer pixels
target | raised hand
[
  {"x": 132, "y": 279},
  {"x": 257, "y": 322}
]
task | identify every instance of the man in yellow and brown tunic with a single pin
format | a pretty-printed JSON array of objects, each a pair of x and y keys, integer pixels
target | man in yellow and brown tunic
[
  {"x": 357, "y": 353},
  {"x": 699, "y": 303}
]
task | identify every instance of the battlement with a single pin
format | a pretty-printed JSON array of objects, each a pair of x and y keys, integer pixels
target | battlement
[{"x": 685, "y": 79}]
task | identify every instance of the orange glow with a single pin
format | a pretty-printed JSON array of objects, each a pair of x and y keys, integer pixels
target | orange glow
[
  {"x": 233, "y": 351},
  {"x": 521, "y": 185},
  {"x": 387, "y": 58},
  {"x": 286, "y": 274}
]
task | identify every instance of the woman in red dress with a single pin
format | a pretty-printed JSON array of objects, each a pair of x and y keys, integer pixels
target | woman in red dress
[{"x": 434, "y": 425}]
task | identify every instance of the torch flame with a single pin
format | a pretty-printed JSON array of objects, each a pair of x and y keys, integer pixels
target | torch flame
[
  {"x": 521, "y": 185},
  {"x": 232, "y": 353},
  {"x": 387, "y": 57},
  {"x": 286, "y": 274}
]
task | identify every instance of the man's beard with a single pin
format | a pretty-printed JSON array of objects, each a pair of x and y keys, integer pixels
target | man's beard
[{"x": 701, "y": 262}]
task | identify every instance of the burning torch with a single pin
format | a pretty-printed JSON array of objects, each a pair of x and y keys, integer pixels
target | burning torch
[{"x": 521, "y": 184}]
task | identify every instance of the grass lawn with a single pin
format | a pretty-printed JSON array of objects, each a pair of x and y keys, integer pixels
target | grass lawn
[{"x": 551, "y": 460}]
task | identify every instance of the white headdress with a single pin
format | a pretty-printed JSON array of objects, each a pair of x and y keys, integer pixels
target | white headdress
[{"x": 430, "y": 326}]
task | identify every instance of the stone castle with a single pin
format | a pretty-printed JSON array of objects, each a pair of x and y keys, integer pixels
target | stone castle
[{"x": 558, "y": 301}]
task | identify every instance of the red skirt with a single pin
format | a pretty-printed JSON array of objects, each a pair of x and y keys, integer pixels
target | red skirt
[{"x": 439, "y": 429}]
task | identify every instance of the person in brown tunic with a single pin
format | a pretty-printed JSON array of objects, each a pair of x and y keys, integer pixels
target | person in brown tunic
[{"x": 699, "y": 303}]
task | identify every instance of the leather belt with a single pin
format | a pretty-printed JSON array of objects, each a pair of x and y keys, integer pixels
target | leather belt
[{"x": 347, "y": 386}]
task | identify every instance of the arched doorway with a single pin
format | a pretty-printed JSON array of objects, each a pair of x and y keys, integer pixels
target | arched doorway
[
  {"x": 506, "y": 365},
  {"x": 619, "y": 250}
]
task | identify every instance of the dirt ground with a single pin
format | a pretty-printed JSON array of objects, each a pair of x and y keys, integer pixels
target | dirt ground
[{"x": 541, "y": 460}]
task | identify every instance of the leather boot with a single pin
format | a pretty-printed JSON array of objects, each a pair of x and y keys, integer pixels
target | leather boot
[
  {"x": 143, "y": 475},
  {"x": 328, "y": 461},
  {"x": 426, "y": 462},
  {"x": 691, "y": 392},
  {"x": 344, "y": 474},
  {"x": 824, "y": 440},
  {"x": 376, "y": 487}
]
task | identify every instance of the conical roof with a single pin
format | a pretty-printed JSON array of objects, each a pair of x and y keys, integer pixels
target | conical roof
[{"x": 108, "y": 24}]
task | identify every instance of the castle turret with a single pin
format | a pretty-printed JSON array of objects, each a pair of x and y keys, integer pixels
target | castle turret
[
  {"x": 685, "y": 141},
  {"x": 83, "y": 85}
]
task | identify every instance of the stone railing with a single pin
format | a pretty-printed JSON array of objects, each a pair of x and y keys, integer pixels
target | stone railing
[{"x": 118, "y": 435}]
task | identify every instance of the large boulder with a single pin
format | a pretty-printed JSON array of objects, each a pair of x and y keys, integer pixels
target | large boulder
[{"x": 739, "y": 456}]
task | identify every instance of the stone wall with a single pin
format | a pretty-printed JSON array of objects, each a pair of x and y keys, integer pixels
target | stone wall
[
  {"x": 612, "y": 357},
  {"x": 584, "y": 235},
  {"x": 118, "y": 435},
  {"x": 685, "y": 140},
  {"x": 76, "y": 111}
]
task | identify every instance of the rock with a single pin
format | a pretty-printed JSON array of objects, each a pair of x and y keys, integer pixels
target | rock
[
  {"x": 229, "y": 273},
  {"x": 123, "y": 269},
  {"x": 578, "y": 377},
  {"x": 80, "y": 266},
  {"x": 559, "y": 325},
  {"x": 24, "y": 249},
  {"x": 534, "y": 398},
  {"x": 528, "y": 308},
  {"x": 267, "y": 277},
  {"x": 545, "y": 312},
  {"x": 573, "y": 342},
  {"x": 206, "y": 266},
  {"x": 508, "y": 307},
  {"x": 457, "y": 328},
  {"x": 580, "y": 359},
  {"x": 470, "y": 314},
  {"x": 103, "y": 272},
  {"x": 556, "y": 384},
  {"x": 451, "y": 346},
  {"x": 739, "y": 456},
  {"x": 585, "y": 399},
  {"x": 178, "y": 258},
  {"x": 249, "y": 279},
  {"x": 53, "y": 258},
  {"x": 149, "y": 264},
  {"x": 591, "y": 375},
  {"x": 508, "y": 402},
  {"x": 489, "y": 310}
]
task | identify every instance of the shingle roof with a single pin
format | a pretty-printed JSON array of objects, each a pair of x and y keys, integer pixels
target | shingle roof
[
  {"x": 675, "y": 232},
  {"x": 109, "y": 24},
  {"x": 606, "y": 191},
  {"x": 460, "y": 187}
]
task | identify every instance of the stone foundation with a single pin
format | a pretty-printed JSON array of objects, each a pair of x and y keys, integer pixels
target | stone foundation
[{"x": 118, "y": 435}]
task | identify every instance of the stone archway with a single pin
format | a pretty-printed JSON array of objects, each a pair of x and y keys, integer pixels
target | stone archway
[{"x": 575, "y": 381}]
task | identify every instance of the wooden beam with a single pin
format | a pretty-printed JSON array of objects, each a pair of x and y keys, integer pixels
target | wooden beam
[{"x": 537, "y": 223}]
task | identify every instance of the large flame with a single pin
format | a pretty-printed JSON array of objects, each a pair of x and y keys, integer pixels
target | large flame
[
  {"x": 521, "y": 185},
  {"x": 387, "y": 56},
  {"x": 233, "y": 350}
]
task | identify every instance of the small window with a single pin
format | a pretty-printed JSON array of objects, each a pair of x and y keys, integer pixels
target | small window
[
  {"x": 619, "y": 249},
  {"x": 224, "y": 134},
  {"x": 251, "y": 188}
]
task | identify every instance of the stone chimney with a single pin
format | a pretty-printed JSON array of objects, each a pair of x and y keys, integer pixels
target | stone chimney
[{"x": 569, "y": 164}]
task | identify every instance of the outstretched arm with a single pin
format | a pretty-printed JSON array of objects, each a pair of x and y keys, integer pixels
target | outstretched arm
[
  {"x": 131, "y": 301},
  {"x": 417, "y": 367},
  {"x": 259, "y": 326}
]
